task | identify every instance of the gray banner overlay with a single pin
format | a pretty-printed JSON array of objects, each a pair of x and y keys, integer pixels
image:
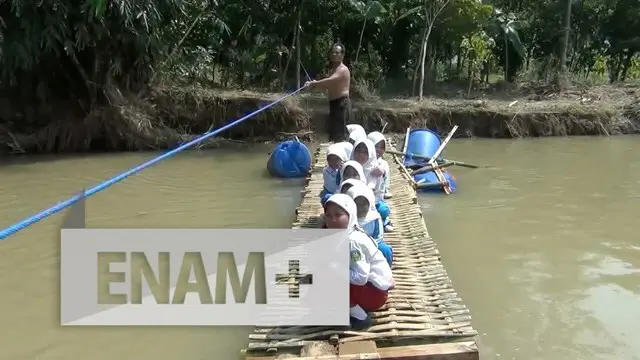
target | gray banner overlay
[{"x": 243, "y": 277}]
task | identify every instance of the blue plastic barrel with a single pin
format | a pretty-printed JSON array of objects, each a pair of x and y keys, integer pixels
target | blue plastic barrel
[
  {"x": 431, "y": 177},
  {"x": 290, "y": 159},
  {"x": 423, "y": 142}
]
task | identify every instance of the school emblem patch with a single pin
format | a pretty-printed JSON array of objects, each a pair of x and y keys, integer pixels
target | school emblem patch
[{"x": 356, "y": 255}]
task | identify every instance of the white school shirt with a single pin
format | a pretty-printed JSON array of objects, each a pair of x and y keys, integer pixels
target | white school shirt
[
  {"x": 330, "y": 177},
  {"x": 384, "y": 166},
  {"x": 367, "y": 262},
  {"x": 377, "y": 185}
]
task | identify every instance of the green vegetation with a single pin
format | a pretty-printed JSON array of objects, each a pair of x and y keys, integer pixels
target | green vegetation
[{"x": 75, "y": 76}]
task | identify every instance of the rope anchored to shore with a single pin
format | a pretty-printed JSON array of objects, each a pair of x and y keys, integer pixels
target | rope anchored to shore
[{"x": 5, "y": 233}]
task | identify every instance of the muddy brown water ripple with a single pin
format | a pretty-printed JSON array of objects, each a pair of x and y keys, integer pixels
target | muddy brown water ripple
[{"x": 542, "y": 246}]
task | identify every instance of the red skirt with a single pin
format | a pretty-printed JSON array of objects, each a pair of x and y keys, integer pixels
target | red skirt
[{"x": 369, "y": 297}]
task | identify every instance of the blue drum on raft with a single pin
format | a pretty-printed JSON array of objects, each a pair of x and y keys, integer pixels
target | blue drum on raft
[
  {"x": 425, "y": 143},
  {"x": 290, "y": 159}
]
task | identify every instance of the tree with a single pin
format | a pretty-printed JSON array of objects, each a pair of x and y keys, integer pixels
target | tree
[
  {"x": 75, "y": 55},
  {"x": 369, "y": 11},
  {"x": 430, "y": 9},
  {"x": 508, "y": 24},
  {"x": 562, "y": 66},
  {"x": 477, "y": 49}
]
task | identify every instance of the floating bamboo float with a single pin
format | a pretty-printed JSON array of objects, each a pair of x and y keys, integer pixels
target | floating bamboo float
[{"x": 424, "y": 317}]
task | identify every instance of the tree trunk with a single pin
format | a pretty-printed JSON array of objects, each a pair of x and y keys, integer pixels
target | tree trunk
[
  {"x": 298, "y": 47},
  {"x": 565, "y": 39},
  {"x": 615, "y": 74},
  {"x": 506, "y": 57},
  {"x": 562, "y": 66},
  {"x": 425, "y": 41},
  {"x": 364, "y": 24},
  {"x": 417, "y": 68},
  {"x": 289, "y": 56},
  {"x": 415, "y": 74},
  {"x": 626, "y": 64},
  {"x": 470, "y": 76}
]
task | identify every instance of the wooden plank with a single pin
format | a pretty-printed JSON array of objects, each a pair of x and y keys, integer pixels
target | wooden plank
[
  {"x": 467, "y": 350},
  {"x": 359, "y": 347},
  {"x": 369, "y": 356}
]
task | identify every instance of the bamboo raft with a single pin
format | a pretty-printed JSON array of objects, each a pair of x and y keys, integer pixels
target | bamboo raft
[{"x": 423, "y": 319}]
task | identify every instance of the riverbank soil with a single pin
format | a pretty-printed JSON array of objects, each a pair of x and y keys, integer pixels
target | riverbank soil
[
  {"x": 168, "y": 116},
  {"x": 525, "y": 112},
  {"x": 162, "y": 118}
]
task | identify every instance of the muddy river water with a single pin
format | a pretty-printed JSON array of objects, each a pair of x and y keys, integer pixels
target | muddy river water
[{"x": 543, "y": 246}]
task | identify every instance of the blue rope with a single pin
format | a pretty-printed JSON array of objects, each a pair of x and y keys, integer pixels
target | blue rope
[{"x": 65, "y": 204}]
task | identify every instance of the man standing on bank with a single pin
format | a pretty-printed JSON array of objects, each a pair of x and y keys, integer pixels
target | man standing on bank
[{"x": 337, "y": 86}]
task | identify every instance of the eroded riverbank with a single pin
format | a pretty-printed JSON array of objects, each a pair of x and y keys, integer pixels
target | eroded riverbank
[{"x": 167, "y": 117}]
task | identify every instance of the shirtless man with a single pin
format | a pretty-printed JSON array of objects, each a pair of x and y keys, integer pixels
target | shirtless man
[{"x": 337, "y": 86}]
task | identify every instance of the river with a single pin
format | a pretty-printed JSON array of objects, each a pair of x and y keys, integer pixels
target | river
[{"x": 542, "y": 246}]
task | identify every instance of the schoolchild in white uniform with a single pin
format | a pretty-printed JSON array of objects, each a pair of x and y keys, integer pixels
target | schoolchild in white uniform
[
  {"x": 369, "y": 219},
  {"x": 352, "y": 170},
  {"x": 369, "y": 273},
  {"x": 365, "y": 153},
  {"x": 347, "y": 184},
  {"x": 380, "y": 144},
  {"x": 356, "y": 133},
  {"x": 336, "y": 156}
]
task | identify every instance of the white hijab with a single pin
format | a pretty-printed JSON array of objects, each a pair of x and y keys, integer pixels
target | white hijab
[
  {"x": 347, "y": 204},
  {"x": 357, "y": 136},
  {"x": 339, "y": 151},
  {"x": 363, "y": 190},
  {"x": 376, "y": 137},
  {"x": 372, "y": 161},
  {"x": 356, "y": 132},
  {"x": 354, "y": 232},
  {"x": 356, "y": 165},
  {"x": 352, "y": 182},
  {"x": 347, "y": 146},
  {"x": 351, "y": 128}
]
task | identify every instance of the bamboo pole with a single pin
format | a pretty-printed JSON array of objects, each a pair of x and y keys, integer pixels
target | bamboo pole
[
  {"x": 442, "y": 146},
  {"x": 405, "y": 144},
  {"x": 428, "y": 168},
  {"x": 433, "y": 162},
  {"x": 431, "y": 185},
  {"x": 402, "y": 167},
  {"x": 455, "y": 162}
]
